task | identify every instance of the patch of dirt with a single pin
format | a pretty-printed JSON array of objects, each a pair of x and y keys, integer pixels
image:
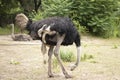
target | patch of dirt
[{"x": 24, "y": 60}]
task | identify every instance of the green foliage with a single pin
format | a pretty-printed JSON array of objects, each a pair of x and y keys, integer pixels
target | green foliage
[
  {"x": 8, "y": 9},
  {"x": 98, "y": 16},
  {"x": 115, "y": 46},
  {"x": 89, "y": 58},
  {"x": 53, "y": 8},
  {"x": 55, "y": 63},
  {"x": 38, "y": 16},
  {"x": 114, "y": 29},
  {"x": 86, "y": 57},
  {"x": 81, "y": 29},
  {"x": 8, "y": 6},
  {"x": 27, "y": 5},
  {"x": 5, "y": 30},
  {"x": 56, "y": 7},
  {"x": 14, "y": 62},
  {"x": 8, "y": 30},
  {"x": 67, "y": 56}
]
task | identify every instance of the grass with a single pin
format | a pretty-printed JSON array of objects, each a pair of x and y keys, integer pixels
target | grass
[
  {"x": 4, "y": 31},
  {"x": 55, "y": 65},
  {"x": 106, "y": 68},
  {"x": 86, "y": 57},
  {"x": 14, "y": 62},
  {"x": 115, "y": 46},
  {"x": 8, "y": 30},
  {"x": 67, "y": 56},
  {"x": 89, "y": 58},
  {"x": 85, "y": 45}
]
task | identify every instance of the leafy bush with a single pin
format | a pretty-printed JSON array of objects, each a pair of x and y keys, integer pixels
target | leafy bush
[
  {"x": 5, "y": 30},
  {"x": 56, "y": 7},
  {"x": 88, "y": 58},
  {"x": 38, "y": 16},
  {"x": 114, "y": 29},
  {"x": 100, "y": 17},
  {"x": 97, "y": 15},
  {"x": 81, "y": 29},
  {"x": 67, "y": 56},
  {"x": 8, "y": 30}
]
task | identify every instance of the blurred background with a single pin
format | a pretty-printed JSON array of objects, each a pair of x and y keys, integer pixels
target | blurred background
[{"x": 95, "y": 17}]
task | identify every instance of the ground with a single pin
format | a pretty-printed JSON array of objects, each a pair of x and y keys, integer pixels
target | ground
[{"x": 24, "y": 61}]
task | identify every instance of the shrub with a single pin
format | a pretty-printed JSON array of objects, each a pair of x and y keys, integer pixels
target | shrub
[
  {"x": 81, "y": 29},
  {"x": 67, "y": 56},
  {"x": 8, "y": 30},
  {"x": 86, "y": 57},
  {"x": 38, "y": 16},
  {"x": 56, "y": 7},
  {"x": 98, "y": 16}
]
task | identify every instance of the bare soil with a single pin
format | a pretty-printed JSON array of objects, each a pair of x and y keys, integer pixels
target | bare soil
[{"x": 24, "y": 60}]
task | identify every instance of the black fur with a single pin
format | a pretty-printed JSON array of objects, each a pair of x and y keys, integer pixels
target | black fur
[{"x": 61, "y": 25}]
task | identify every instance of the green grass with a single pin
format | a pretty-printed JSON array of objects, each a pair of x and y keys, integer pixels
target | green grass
[
  {"x": 14, "y": 62},
  {"x": 4, "y": 31},
  {"x": 8, "y": 30},
  {"x": 115, "y": 46},
  {"x": 55, "y": 64},
  {"x": 86, "y": 57},
  {"x": 67, "y": 56}
]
